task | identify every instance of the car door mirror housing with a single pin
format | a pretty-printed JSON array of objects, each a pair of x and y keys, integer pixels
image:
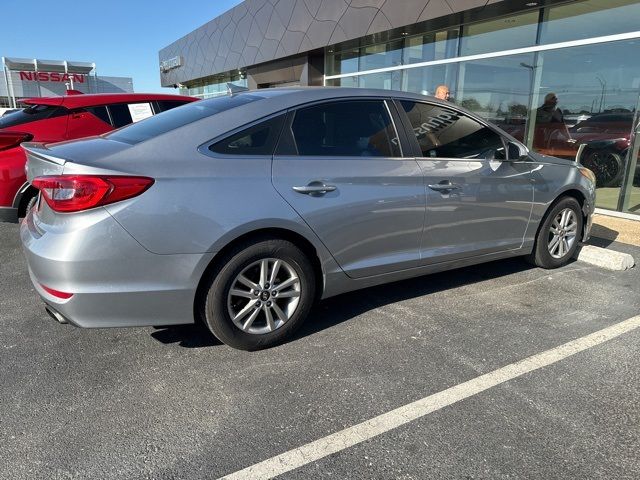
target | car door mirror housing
[{"x": 517, "y": 151}]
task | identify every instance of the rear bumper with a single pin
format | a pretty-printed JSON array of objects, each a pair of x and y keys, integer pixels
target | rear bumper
[
  {"x": 8, "y": 214},
  {"x": 115, "y": 282}
]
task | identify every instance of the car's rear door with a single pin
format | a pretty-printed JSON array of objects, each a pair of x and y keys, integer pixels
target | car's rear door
[
  {"x": 339, "y": 164},
  {"x": 478, "y": 201}
]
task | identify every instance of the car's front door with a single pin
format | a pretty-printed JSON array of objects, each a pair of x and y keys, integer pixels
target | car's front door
[
  {"x": 478, "y": 200},
  {"x": 339, "y": 164}
]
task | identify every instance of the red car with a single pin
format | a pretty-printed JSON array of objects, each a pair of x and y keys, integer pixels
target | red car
[{"x": 57, "y": 119}]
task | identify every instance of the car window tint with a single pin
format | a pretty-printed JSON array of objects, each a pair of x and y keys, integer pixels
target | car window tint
[
  {"x": 259, "y": 139},
  {"x": 31, "y": 114},
  {"x": 445, "y": 133},
  {"x": 100, "y": 112},
  {"x": 350, "y": 128},
  {"x": 164, "y": 105},
  {"x": 179, "y": 117},
  {"x": 120, "y": 115}
]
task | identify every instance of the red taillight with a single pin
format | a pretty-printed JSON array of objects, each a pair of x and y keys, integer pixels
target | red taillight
[
  {"x": 56, "y": 293},
  {"x": 73, "y": 193},
  {"x": 13, "y": 139}
]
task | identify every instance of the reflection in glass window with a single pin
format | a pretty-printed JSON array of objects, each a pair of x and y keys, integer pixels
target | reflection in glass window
[
  {"x": 431, "y": 46},
  {"x": 424, "y": 80},
  {"x": 591, "y": 18},
  {"x": 444, "y": 133},
  {"x": 588, "y": 96},
  {"x": 343, "y": 61},
  {"x": 343, "y": 82},
  {"x": 498, "y": 90},
  {"x": 386, "y": 80},
  {"x": 382, "y": 55},
  {"x": 352, "y": 128},
  {"x": 580, "y": 89},
  {"x": 516, "y": 31}
]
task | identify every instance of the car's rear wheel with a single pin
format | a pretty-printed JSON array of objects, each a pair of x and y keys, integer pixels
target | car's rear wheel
[
  {"x": 260, "y": 294},
  {"x": 29, "y": 200},
  {"x": 559, "y": 234}
]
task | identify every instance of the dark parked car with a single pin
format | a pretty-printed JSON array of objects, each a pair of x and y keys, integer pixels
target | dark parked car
[
  {"x": 240, "y": 211},
  {"x": 606, "y": 139},
  {"x": 64, "y": 118}
]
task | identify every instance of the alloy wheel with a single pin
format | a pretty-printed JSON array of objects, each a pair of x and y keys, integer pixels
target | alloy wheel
[
  {"x": 264, "y": 296},
  {"x": 563, "y": 233}
]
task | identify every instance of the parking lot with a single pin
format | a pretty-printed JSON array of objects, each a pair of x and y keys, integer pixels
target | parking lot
[{"x": 174, "y": 403}]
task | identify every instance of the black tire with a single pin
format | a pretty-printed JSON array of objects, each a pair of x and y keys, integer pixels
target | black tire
[
  {"x": 608, "y": 167},
  {"x": 541, "y": 256},
  {"x": 28, "y": 202},
  {"x": 216, "y": 303}
]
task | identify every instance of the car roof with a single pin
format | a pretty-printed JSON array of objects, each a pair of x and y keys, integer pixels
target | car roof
[
  {"x": 291, "y": 96},
  {"x": 87, "y": 100}
]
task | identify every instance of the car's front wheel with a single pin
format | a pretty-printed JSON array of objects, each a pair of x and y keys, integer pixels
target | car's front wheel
[
  {"x": 260, "y": 294},
  {"x": 559, "y": 234}
]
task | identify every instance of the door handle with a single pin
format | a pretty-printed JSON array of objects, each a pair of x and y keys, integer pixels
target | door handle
[
  {"x": 444, "y": 186},
  {"x": 315, "y": 188}
]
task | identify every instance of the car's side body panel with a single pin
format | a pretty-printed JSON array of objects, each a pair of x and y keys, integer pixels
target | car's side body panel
[{"x": 488, "y": 212}]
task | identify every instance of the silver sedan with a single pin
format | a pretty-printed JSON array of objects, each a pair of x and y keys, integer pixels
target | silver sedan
[{"x": 241, "y": 211}]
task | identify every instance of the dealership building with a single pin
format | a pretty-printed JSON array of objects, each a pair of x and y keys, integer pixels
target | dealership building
[
  {"x": 32, "y": 77},
  {"x": 516, "y": 63}
]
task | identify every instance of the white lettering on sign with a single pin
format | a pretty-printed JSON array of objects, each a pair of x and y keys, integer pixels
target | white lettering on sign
[{"x": 170, "y": 64}]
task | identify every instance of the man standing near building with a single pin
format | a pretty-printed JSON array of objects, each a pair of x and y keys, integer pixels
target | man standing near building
[
  {"x": 442, "y": 92},
  {"x": 551, "y": 134}
]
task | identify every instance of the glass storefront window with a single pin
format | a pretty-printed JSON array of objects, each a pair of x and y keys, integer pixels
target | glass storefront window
[
  {"x": 516, "y": 31},
  {"x": 631, "y": 194},
  {"x": 387, "y": 80},
  {"x": 380, "y": 56},
  {"x": 498, "y": 90},
  {"x": 587, "y": 97},
  {"x": 430, "y": 46},
  {"x": 344, "y": 61},
  {"x": 424, "y": 80},
  {"x": 343, "y": 82},
  {"x": 588, "y": 19}
]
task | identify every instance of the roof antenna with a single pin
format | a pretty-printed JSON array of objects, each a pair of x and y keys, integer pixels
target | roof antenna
[{"x": 233, "y": 89}]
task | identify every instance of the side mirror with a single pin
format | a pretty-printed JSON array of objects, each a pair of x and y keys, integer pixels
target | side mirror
[{"x": 517, "y": 151}]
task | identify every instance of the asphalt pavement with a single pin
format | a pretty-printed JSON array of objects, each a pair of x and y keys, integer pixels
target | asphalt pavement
[{"x": 173, "y": 403}]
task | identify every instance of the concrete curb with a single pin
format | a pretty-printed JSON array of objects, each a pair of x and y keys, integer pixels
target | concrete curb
[{"x": 601, "y": 257}]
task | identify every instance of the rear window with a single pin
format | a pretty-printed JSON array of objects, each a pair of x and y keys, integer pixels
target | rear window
[
  {"x": 31, "y": 114},
  {"x": 179, "y": 117},
  {"x": 164, "y": 105}
]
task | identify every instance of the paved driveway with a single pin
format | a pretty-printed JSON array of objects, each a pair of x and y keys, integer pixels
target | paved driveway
[{"x": 173, "y": 403}]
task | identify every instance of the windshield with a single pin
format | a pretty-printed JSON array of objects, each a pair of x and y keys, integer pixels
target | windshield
[
  {"x": 31, "y": 114},
  {"x": 178, "y": 117}
]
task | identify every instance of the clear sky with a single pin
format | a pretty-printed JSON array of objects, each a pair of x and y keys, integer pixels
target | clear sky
[{"x": 122, "y": 37}]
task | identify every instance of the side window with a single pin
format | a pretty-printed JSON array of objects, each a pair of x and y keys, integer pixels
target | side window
[
  {"x": 350, "y": 128},
  {"x": 100, "y": 112},
  {"x": 120, "y": 114},
  {"x": 164, "y": 105},
  {"x": 446, "y": 133},
  {"x": 259, "y": 139}
]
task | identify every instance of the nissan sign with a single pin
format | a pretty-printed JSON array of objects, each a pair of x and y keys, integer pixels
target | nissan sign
[
  {"x": 51, "y": 77},
  {"x": 170, "y": 64}
]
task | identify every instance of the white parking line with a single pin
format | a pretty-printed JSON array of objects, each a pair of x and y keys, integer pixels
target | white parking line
[{"x": 368, "y": 429}]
